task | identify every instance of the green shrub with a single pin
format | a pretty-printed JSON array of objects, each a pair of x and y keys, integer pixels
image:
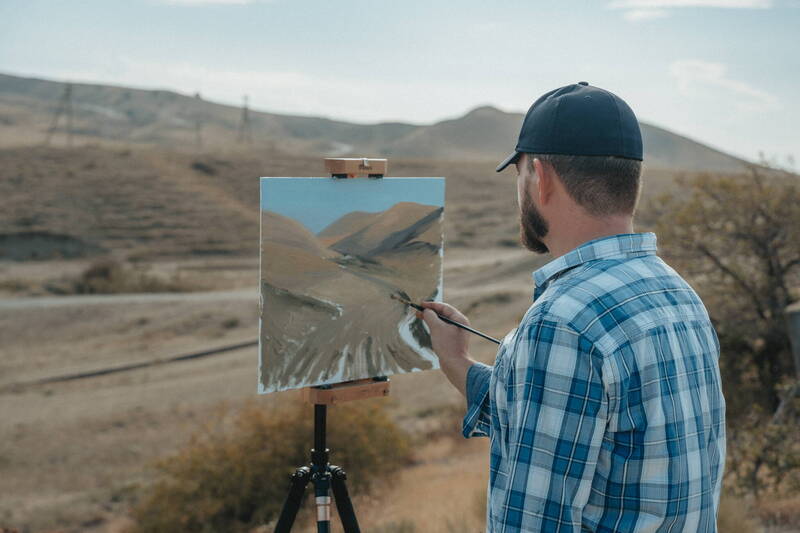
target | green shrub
[{"x": 235, "y": 474}]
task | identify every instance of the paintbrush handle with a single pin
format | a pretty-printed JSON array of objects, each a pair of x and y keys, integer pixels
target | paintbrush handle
[{"x": 462, "y": 326}]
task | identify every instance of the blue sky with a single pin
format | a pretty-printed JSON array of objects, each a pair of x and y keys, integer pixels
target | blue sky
[
  {"x": 317, "y": 202},
  {"x": 725, "y": 72}
]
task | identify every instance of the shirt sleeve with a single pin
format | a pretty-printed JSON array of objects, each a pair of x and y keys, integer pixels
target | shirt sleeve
[
  {"x": 477, "y": 422},
  {"x": 556, "y": 411}
]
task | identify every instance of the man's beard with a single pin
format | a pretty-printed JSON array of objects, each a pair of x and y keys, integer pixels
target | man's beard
[{"x": 532, "y": 226}]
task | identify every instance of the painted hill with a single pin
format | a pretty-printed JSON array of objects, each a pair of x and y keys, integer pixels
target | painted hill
[
  {"x": 394, "y": 228},
  {"x": 291, "y": 257},
  {"x": 347, "y": 225},
  {"x": 285, "y": 231},
  {"x": 107, "y": 115}
]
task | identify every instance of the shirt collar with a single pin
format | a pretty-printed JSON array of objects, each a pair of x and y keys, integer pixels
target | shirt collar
[{"x": 613, "y": 247}]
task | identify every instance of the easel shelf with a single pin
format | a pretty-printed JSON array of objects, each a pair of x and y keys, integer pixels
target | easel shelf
[{"x": 348, "y": 391}]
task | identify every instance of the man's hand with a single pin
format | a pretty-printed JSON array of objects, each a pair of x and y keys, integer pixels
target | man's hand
[{"x": 450, "y": 343}]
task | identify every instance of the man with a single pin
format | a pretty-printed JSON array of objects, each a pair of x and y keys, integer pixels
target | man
[{"x": 604, "y": 406}]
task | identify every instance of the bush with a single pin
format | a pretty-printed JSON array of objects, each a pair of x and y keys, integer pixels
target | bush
[
  {"x": 764, "y": 456},
  {"x": 737, "y": 238},
  {"x": 234, "y": 475},
  {"x": 734, "y": 516},
  {"x": 108, "y": 276},
  {"x": 780, "y": 513}
]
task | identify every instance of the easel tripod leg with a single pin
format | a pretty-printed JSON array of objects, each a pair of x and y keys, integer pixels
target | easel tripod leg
[
  {"x": 326, "y": 477},
  {"x": 299, "y": 479},
  {"x": 343, "y": 504}
]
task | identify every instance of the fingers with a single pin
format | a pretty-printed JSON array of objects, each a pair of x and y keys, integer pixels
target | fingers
[
  {"x": 440, "y": 307},
  {"x": 430, "y": 318},
  {"x": 446, "y": 310}
]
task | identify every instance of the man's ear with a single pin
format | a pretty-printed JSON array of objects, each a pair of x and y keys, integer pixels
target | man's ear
[{"x": 546, "y": 182}]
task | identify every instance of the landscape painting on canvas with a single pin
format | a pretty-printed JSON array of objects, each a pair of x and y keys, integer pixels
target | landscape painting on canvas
[{"x": 333, "y": 252}]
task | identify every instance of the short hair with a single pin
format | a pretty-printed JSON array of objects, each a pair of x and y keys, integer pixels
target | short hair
[{"x": 602, "y": 185}]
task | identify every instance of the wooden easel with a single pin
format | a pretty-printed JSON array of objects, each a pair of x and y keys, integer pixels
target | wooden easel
[
  {"x": 360, "y": 389},
  {"x": 321, "y": 473},
  {"x": 354, "y": 167}
]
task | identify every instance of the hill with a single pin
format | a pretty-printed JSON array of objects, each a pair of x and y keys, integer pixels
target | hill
[
  {"x": 481, "y": 133},
  {"x": 120, "y": 115},
  {"x": 87, "y": 201},
  {"x": 678, "y": 152},
  {"x": 148, "y": 203},
  {"x": 105, "y": 113}
]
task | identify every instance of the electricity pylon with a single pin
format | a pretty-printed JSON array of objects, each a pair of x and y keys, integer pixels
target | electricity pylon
[
  {"x": 64, "y": 108},
  {"x": 198, "y": 123},
  {"x": 245, "y": 135}
]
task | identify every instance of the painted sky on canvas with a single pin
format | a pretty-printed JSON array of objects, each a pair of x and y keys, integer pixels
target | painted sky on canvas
[
  {"x": 316, "y": 202},
  {"x": 724, "y": 72}
]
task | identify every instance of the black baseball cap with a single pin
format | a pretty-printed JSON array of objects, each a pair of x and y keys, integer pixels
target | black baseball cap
[{"x": 579, "y": 119}]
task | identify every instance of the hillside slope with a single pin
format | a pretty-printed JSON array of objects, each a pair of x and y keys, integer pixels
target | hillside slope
[
  {"x": 128, "y": 115},
  {"x": 107, "y": 114},
  {"x": 122, "y": 201}
]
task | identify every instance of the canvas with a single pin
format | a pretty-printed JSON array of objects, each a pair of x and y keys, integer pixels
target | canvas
[{"x": 333, "y": 252}]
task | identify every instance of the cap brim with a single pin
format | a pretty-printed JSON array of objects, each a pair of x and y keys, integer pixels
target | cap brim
[{"x": 508, "y": 160}]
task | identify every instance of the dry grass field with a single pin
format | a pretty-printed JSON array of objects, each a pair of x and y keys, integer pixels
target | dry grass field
[{"x": 72, "y": 454}]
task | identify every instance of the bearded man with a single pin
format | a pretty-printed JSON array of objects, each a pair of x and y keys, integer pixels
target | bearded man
[{"x": 604, "y": 407}]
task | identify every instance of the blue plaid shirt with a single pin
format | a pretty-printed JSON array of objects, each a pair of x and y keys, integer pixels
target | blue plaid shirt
[{"x": 604, "y": 406}]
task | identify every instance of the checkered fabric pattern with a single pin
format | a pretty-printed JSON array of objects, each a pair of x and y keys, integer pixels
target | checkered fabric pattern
[{"x": 604, "y": 406}]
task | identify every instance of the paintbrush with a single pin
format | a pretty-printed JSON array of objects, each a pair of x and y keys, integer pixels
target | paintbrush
[{"x": 444, "y": 318}]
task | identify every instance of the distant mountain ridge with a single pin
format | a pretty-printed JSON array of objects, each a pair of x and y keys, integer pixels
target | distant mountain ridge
[{"x": 105, "y": 113}]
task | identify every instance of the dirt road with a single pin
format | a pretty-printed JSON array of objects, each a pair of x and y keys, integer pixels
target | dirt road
[{"x": 12, "y": 304}]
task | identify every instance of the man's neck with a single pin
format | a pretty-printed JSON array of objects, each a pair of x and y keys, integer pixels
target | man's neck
[{"x": 584, "y": 229}]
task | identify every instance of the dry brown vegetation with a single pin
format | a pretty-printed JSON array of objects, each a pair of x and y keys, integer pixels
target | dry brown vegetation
[
  {"x": 233, "y": 476},
  {"x": 107, "y": 276},
  {"x": 76, "y": 452},
  {"x": 736, "y": 239},
  {"x": 74, "y": 455}
]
